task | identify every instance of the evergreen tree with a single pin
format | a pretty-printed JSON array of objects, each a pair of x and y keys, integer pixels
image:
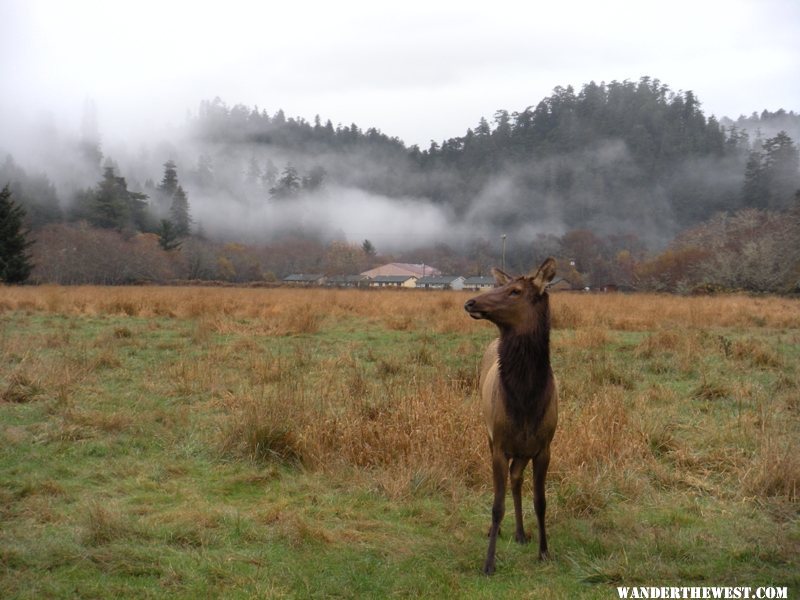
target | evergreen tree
[
  {"x": 314, "y": 179},
  {"x": 328, "y": 131},
  {"x": 781, "y": 163},
  {"x": 168, "y": 237},
  {"x": 15, "y": 265},
  {"x": 109, "y": 209},
  {"x": 288, "y": 185},
  {"x": 35, "y": 193},
  {"x": 771, "y": 175},
  {"x": 368, "y": 248},
  {"x": 483, "y": 128},
  {"x": 179, "y": 212},
  {"x": 113, "y": 206},
  {"x": 737, "y": 141},
  {"x": 754, "y": 190},
  {"x": 169, "y": 183}
]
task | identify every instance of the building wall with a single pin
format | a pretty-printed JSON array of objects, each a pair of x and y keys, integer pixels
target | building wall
[
  {"x": 478, "y": 288},
  {"x": 410, "y": 283}
]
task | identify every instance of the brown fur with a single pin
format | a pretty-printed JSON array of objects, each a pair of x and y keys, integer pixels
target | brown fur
[{"x": 519, "y": 394}]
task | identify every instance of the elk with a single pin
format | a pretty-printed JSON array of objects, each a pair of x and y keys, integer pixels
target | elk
[{"x": 519, "y": 393}]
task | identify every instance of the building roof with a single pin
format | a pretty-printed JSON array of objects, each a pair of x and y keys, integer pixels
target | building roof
[
  {"x": 303, "y": 277},
  {"x": 438, "y": 280},
  {"x": 559, "y": 281},
  {"x": 346, "y": 278},
  {"x": 420, "y": 270}
]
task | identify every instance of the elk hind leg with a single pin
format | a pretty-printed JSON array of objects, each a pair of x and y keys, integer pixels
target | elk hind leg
[{"x": 540, "y": 465}]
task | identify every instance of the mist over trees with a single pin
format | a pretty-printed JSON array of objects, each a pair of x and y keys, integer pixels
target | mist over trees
[{"x": 622, "y": 181}]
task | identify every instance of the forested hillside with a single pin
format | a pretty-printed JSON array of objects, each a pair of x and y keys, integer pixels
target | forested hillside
[
  {"x": 611, "y": 157},
  {"x": 612, "y": 178}
]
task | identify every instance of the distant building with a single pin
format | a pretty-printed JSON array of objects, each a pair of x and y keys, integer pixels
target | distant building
[
  {"x": 347, "y": 281},
  {"x": 559, "y": 284},
  {"x": 617, "y": 287},
  {"x": 304, "y": 279},
  {"x": 417, "y": 271},
  {"x": 477, "y": 284},
  {"x": 441, "y": 282},
  {"x": 382, "y": 281}
]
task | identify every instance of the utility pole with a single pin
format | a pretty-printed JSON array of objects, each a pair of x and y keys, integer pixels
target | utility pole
[{"x": 503, "y": 237}]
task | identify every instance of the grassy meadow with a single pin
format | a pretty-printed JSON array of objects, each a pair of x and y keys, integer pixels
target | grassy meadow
[{"x": 278, "y": 443}]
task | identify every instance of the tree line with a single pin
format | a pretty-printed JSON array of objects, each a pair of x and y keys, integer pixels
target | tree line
[
  {"x": 608, "y": 153},
  {"x": 635, "y": 174}
]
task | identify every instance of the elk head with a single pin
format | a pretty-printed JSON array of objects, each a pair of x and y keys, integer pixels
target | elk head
[{"x": 509, "y": 304}]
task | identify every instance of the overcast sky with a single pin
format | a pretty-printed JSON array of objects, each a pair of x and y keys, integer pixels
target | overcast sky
[{"x": 417, "y": 70}]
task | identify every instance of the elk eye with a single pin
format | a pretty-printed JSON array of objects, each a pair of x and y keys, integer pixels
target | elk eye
[{"x": 514, "y": 292}]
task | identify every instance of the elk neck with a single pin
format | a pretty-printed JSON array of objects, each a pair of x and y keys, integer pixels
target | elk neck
[{"x": 525, "y": 371}]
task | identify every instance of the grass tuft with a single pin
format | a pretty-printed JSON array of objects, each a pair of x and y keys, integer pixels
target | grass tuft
[
  {"x": 757, "y": 353},
  {"x": 20, "y": 389},
  {"x": 104, "y": 524},
  {"x": 776, "y": 471},
  {"x": 712, "y": 390},
  {"x": 263, "y": 428}
]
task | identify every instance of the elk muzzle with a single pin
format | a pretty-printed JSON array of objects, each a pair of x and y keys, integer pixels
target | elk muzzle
[{"x": 473, "y": 310}]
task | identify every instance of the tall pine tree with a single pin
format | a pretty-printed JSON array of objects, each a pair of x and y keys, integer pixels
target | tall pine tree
[
  {"x": 15, "y": 264},
  {"x": 169, "y": 183},
  {"x": 179, "y": 212},
  {"x": 168, "y": 238},
  {"x": 771, "y": 175},
  {"x": 288, "y": 186},
  {"x": 781, "y": 162},
  {"x": 113, "y": 206}
]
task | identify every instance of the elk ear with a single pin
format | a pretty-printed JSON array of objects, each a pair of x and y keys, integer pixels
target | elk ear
[
  {"x": 545, "y": 273},
  {"x": 501, "y": 277}
]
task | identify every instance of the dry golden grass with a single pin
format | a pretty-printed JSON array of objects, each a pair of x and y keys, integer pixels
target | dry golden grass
[
  {"x": 105, "y": 523},
  {"x": 776, "y": 471},
  {"x": 597, "y": 444},
  {"x": 286, "y": 310},
  {"x": 353, "y": 421},
  {"x": 412, "y": 432},
  {"x": 643, "y": 312},
  {"x": 20, "y": 388}
]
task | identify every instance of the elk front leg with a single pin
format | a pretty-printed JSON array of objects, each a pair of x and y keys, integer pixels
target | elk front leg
[{"x": 499, "y": 477}]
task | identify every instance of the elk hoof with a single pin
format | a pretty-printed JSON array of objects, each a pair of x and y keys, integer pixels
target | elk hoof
[
  {"x": 544, "y": 555},
  {"x": 522, "y": 538},
  {"x": 488, "y": 568}
]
